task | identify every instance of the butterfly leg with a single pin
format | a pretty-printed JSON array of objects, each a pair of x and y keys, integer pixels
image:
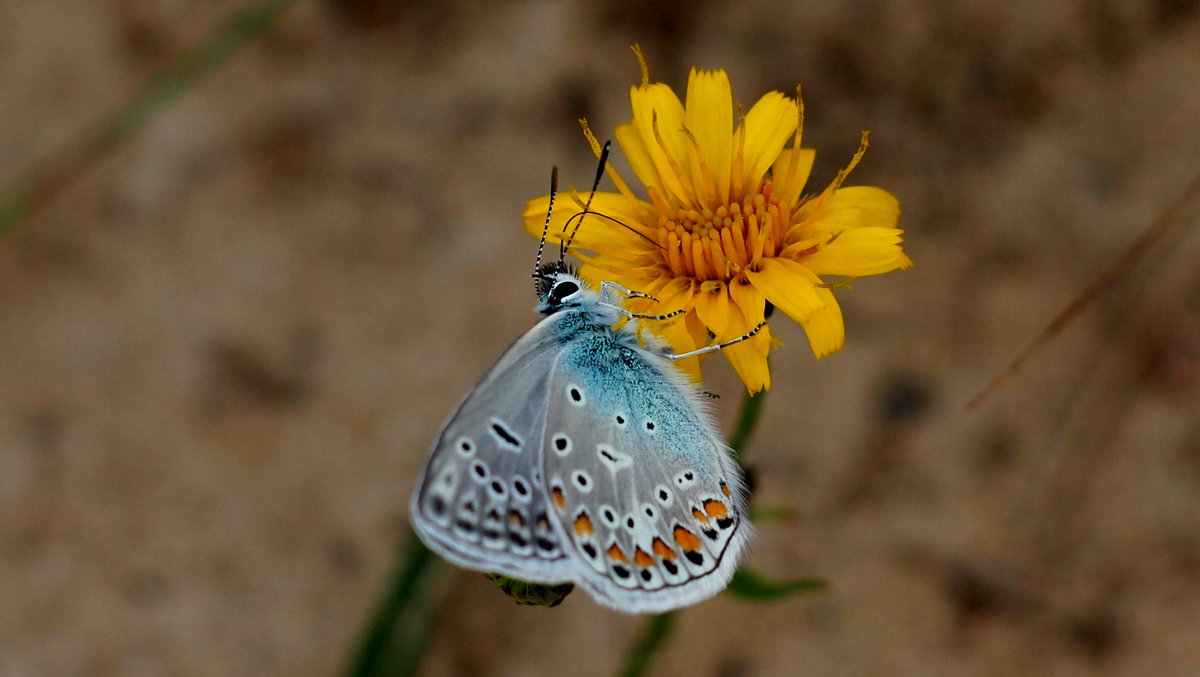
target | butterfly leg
[
  {"x": 714, "y": 348},
  {"x": 612, "y": 293}
]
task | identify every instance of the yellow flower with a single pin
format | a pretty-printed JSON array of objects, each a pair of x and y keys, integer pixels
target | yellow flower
[{"x": 725, "y": 227}]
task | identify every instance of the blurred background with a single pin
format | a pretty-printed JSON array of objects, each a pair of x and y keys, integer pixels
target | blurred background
[{"x": 227, "y": 340}]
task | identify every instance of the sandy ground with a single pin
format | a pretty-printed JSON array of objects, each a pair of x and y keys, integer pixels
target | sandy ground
[{"x": 226, "y": 350}]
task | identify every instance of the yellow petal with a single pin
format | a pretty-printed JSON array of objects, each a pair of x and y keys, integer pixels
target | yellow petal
[
  {"x": 713, "y": 307},
  {"x": 748, "y": 358},
  {"x": 825, "y": 328},
  {"x": 859, "y": 252},
  {"x": 853, "y": 207},
  {"x": 769, "y": 125},
  {"x": 655, "y": 107},
  {"x": 789, "y": 286},
  {"x": 789, "y": 180},
  {"x": 709, "y": 116},
  {"x": 750, "y": 301},
  {"x": 617, "y": 228},
  {"x": 638, "y": 155}
]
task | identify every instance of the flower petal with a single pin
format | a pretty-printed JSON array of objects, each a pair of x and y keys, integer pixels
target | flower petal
[
  {"x": 655, "y": 107},
  {"x": 789, "y": 286},
  {"x": 615, "y": 229},
  {"x": 714, "y": 308},
  {"x": 748, "y": 358},
  {"x": 769, "y": 125},
  {"x": 789, "y": 180},
  {"x": 852, "y": 207},
  {"x": 825, "y": 328},
  {"x": 708, "y": 115},
  {"x": 858, "y": 252}
]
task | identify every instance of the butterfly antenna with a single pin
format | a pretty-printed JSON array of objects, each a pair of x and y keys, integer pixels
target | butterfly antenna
[
  {"x": 537, "y": 262},
  {"x": 564, "y": 246}
]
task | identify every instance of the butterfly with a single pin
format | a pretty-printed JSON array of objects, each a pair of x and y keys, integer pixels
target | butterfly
[{"x": 586, "y": 456}]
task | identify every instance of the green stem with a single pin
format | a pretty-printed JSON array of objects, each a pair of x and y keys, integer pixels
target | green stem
[
  {"x": 41, "y": 185},
  {"x": 394, "y": 641},
  {"x": 658, "y": 628},
  {"x": 653, "y": 637}
]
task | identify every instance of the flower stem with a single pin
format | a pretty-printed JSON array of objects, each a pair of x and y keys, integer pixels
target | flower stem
[
  {"x": 394, "y": 641},
  {"x": 658, "y": 628}
]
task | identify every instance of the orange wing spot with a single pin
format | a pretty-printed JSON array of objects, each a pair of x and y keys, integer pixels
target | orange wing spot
[
  {"x": 663, "y": 550},
  {"x": 642, "y": 559},
  {"x": 515, "y": 519},
  {"x": 699, "y": 515},
  {"x": 616, "y": 553},
  {"x": 686, "y": 539},
  {"x": 725, "y": 489},
  {"x": 559, "y": 499},
  {"x": 583, "y": 525},
  {"x": 715, "y": 509}
]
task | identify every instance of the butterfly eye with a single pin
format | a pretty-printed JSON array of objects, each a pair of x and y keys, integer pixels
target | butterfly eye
[{"x": 562, "y": 290}]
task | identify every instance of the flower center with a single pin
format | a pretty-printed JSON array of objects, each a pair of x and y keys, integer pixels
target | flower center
[{"x": 716, "y": 244}]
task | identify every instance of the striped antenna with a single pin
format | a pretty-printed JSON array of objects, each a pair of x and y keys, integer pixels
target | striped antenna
[
  {"x": 537, "y": 263},
  {"x": 564, "y": 246}
]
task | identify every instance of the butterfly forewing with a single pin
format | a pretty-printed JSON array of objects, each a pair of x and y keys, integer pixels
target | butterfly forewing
[
  {"x": 481, "y": 502},
  {"x": 643, "y": 487}
]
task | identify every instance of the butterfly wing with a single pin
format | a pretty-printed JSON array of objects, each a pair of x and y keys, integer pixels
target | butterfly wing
[
  {"x": 481, "y": 502},
  {"x": 644, "y": 489}
]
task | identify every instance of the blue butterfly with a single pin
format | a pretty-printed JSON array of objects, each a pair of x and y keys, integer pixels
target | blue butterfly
[{"x": 586, "y": 456}]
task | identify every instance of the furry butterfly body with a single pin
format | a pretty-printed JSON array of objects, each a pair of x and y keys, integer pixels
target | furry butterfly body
[{"x": 584, "y": 456}]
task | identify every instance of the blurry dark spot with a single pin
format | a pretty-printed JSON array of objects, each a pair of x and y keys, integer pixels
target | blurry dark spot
[
  {"x": 252, "y": 373},
  {"x": 999, "y": 450},
  {"x": 1110, "y": 35},
  {"x": 288, "y": 148},
  {"x": 146, "y": 588},
  {"x": 620, "y": 571},
  {"x": 574, "y": 99},
  {"x": 660, "y": 21},
  {"x": 646, "y": 575},
  {"x": 670, "y": 567},
  {"x": 45, "y": 428},
  {"x": 345, "y": 556},
  {"x": 970, "y": 594},
  {"x": 368, "y": 14},
  {"x": 694, "y": 557},
  {"x": 1097, "y": 635},
  {"x": 839, "y": 56},
  {"x": 142, "y": 40},
  {"x": 590, "y": 550},
  {"x": 902, "y": 398},
  {"x": 1168, "y": 13}
]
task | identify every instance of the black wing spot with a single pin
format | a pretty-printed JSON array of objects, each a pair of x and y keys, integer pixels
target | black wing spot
[
  {"x": 694, "y": 557},
  {"x": 480, "y": 469},
  {"x": 649, "y": 425},
  {"x": 725, "y": 522},
  {"x": 670, "y": 567},
  {"x": 646, "y": 576},
  {"x": 464, "y": 525},
  {"x": 517, "y": 539},
  {"x": 545, "y": 544},
  {"x": 498, "y": 488},
  {"x": 505, "y": 434},
  {"x": 620, "y": 571},
  {"x": 711, "y": 533},
  {"x": 590, "y": 550},
  {"x": 629, "y": 522},
  {"x": 582, "y": 480},
  {"x": 437, "y": 505},
  {"x": 620, "y": 420},
  {"x": 519, "y": 487}
]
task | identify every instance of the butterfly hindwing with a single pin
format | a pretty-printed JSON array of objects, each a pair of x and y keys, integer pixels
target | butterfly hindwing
[
  {"x": 481, "y": 502},
  {"x": 644, "y": 489}
]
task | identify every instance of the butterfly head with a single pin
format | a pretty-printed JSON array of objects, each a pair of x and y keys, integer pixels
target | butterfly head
[{"x": 558, "y": 286}]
